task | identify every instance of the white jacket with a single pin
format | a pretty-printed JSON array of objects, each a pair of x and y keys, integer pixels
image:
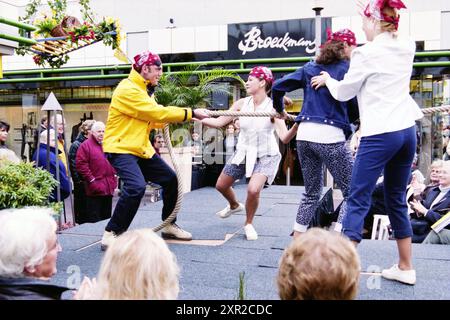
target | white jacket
[{"x": 379, "y": 75}]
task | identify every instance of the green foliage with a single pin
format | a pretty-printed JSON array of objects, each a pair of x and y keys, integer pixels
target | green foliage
[
  {"x": 88, "y": 30},
  {"x": 86, "y": 11},
  {"x": 30, "y": 10},
  {"x": 45, "y": 26},
  {"x": 22, "y": 185},
  {"x": 192, "y": 87},
  {"x": 58, "y": 8},
  {"x": 241, "y": 290}
]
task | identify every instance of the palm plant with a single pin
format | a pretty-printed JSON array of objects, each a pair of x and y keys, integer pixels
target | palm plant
[{"x": 192, "y": 87}]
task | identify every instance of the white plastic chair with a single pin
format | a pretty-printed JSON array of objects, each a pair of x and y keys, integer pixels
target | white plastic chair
[{"x": 380, "y": 229}]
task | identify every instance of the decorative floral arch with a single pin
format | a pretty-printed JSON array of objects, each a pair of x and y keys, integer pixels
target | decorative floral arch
[{"x": 58, "y": 34}]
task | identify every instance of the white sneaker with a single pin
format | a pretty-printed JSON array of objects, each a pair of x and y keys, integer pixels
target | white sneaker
[
  {"x": 225, "y": 213},
  {"x": 250, "y": 232},
  {"x": 173, "y": 231},
  {"x": 395, "y": 273},
  {"x": 108, "y": 238}
]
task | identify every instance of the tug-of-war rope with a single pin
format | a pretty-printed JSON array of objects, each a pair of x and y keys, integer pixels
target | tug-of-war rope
[{"x": 175, "y": 211}]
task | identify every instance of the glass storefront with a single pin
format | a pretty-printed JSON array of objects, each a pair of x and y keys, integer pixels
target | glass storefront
[
  {"x": 21, "y": 109},
  {"x": 433, "y": 130}
]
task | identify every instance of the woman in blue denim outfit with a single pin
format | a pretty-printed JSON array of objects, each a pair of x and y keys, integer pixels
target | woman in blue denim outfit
[{"x": 324, "y": 126}]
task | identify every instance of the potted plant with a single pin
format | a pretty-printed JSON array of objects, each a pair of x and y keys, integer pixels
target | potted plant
[{"x": 22, "y": 185}]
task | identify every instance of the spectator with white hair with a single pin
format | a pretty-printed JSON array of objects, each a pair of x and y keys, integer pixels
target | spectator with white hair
[
  {"x": 433, "y": 207},
  {"x": 40, "y": 156},
  {"x": 29, "y": 249},
  {"x": 137, "y": 266},
  {"x": 98, "y": 175}
]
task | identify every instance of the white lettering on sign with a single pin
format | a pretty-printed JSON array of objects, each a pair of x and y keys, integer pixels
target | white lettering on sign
[{"x": 253, "y": 41}]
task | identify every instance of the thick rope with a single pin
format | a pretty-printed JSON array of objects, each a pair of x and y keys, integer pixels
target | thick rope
[
  {"x": 175, "y": 211},
  {"x": 246, "y": 114},
  {"x": 445, "y": 108},
  {"x": 436, "y": 109}
]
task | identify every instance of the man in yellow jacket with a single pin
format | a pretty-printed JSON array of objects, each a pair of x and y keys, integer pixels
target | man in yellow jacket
[{"x": 131, "y": 116}]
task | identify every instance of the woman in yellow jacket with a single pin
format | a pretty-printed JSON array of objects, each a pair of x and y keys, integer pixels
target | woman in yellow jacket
[{"x": 131, "y": 116}]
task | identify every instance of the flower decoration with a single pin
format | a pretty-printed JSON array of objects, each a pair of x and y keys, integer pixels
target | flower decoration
[{"x": 58, "y": 24}]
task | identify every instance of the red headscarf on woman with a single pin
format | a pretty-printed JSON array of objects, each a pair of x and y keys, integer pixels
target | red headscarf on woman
[
  {"x": 375, "y": 9},
  {"x": 262, "y": 73}
]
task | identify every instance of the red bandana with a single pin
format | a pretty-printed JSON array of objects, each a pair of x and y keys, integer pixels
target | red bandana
[
  {"x": 375, "y": 9},
  {"x": 344, "y": 35},
  {"x": 262, "y": 73},
  {"x": 146, "y": 58}
]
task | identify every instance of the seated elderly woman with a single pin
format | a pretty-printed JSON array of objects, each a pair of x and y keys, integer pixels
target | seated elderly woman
[
  {"x": 29, "y": 249},
  {"x": 432, "y": 207},
  {"x": 137, "y": 266}
]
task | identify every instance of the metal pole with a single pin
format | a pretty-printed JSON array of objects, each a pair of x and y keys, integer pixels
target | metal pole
[
  {"x": 58, "y": 178},
  {"x": 69, "y": 175},
  {"x": 18, "y": 24},
  {"x": 47, "y": 158},
  {"x": 318, "y": 7},
  {"x": 18, "y": 39}
]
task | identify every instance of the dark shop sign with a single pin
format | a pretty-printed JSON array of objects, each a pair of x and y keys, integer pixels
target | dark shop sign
[{"x": 272, "y": 39}]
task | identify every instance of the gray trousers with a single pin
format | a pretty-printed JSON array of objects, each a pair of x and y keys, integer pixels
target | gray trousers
[{"x": 443, "y": 237}]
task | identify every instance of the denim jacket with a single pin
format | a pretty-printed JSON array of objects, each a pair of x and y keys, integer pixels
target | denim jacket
[{"x": 318, "y": 105}]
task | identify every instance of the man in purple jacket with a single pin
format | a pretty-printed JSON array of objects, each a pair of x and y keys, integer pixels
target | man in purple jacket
[{"x": 98, "y": 175}]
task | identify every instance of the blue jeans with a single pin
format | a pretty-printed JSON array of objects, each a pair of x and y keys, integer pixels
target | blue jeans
[
  {"x": 393, "y": 152},
  {"x": 134, "y": 173}
]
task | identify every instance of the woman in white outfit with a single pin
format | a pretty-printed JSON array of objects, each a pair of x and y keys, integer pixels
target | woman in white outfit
[
  {"x": 257, "y": 154},
  {"x": 379, "y": 76}
]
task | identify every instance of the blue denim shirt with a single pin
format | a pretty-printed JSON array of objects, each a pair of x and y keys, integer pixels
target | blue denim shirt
[{"x": 318, "y": 105}]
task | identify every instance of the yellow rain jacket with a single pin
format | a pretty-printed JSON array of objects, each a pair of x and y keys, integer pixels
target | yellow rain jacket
[{"x": 132, "y": 114}]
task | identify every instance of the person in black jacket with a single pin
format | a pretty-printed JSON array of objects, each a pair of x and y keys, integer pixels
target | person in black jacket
[
  {"x": 28, "y": 255},
  {"x": 79, "y": 194}
]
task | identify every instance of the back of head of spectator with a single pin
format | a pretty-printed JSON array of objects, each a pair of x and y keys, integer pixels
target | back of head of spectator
[
  {"x": 138, "y": 266},
  {"x": 28, "y": 242},
  {"x": 319, "y": 265},
  {"x": 86, "y": 127}
]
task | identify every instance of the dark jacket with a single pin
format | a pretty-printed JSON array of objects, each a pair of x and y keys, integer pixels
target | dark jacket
[
  {"x": 318, "y": 105},
  {"x": 96, "y": 171},
  {"x": 29, "y": 289},
  {"x": 64, "y": 180},
  {"x": 422, "y": 225},
  {"x": 72, "y": 157}
]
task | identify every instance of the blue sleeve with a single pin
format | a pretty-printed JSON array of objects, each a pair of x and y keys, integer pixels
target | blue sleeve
[
  {"x": 433, "y": 216},
  {"x": 288, "y": 83}
]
